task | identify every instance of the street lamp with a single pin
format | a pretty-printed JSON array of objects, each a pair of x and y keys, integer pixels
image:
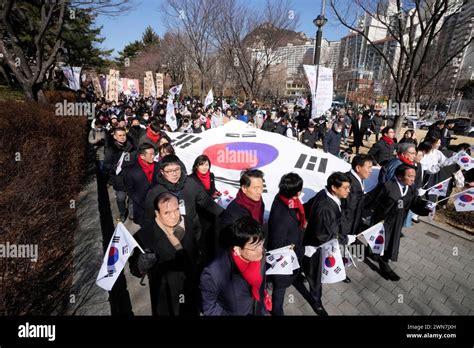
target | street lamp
[{"x": 319, "y": 22}]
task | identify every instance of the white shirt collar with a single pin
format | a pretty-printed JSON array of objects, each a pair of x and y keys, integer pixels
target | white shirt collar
[
  {"x": 358, "y": 178},
  {"x": 402, "y": 187},
  {"x": 334, "y": 198}
]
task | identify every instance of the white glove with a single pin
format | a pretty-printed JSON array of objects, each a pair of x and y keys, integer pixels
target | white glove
[
  {"x": 421, "y": 192},
  {"x": 430, "y": 206},
  {"x": 351, "y": 239}
]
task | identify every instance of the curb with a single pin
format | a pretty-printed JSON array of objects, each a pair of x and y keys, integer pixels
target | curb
[{"x": 461, "y": 234}]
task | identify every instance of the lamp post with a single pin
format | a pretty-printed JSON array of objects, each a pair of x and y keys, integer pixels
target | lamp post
[{"x": 319, "y": 22}]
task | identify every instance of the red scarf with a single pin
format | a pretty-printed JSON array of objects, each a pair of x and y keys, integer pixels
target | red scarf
[
  {"x": 405, "y": 160},
  {"x": 388, "y": 140},
  {"x": 147, "y": 168},
  {"x": 153, "y": 137},
  {"x": 205, "y": 179},
  {"x": 255, "y": 208},
  {"x": 295, "y": 203},
  {"x": 251, "y": 273}
]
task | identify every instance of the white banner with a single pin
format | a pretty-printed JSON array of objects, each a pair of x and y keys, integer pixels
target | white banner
[
  {"x": 322, "y": 91},
  {"x": 375, "y": 237},
  {"x": 149, "y": 85},
  {"x": 73, "y": 76},
  {"x": 120, "y": 248},
  {"x": 170, "y": 114},
  {"x": 209, "y": 99},
  {"x": 282, "y": 261},
  {"x": 112, "y": 90},
  {"x": 333, "y": 270},
  {"x": 236, "y": 146},
  {"x": 310, "y": 71},
  {"x": 159, "y": 85}
]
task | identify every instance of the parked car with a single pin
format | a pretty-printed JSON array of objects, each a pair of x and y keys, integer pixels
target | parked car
[{"x": 462, "y": 126}]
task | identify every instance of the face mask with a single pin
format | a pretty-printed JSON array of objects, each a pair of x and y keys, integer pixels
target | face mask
[{"x": 145, "y": 118}]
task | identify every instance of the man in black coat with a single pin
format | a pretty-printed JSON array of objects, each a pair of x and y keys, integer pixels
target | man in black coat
[
  {"x": 119, "y": 155},
  {"x": 153, "y": 135},
  {"x": 376, "y": 124},
  {"x": 172, "y": 178},
  {"x": 309, "y": 136},
  {"x": 384, "y": 149},
  {"x": 324, "y": 224},
  {"x": 170, "y": 259},
  {"x": 248, "y": 202},
  {"x": 286, "y": 227},
  {"x": 359, "y": 127},
  {"x": 135, "y": 132},
  {"x": 332, "y": 139},
  {"x": 390, "y": 202},
  {"x": 234, "y": 283},
  {"x": 139, "y": 178},
  {"x": 353, "y": 205}
]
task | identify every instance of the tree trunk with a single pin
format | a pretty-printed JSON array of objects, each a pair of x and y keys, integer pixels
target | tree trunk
[{"x": 35, "y": 93}]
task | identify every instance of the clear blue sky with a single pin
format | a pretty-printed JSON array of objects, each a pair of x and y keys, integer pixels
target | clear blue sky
[{"x": 119, "y": 31}]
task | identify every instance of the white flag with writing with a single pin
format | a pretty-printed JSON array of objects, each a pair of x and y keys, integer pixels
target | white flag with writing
[
  {"x": 209, "y": 99},
  {"x": 120, "y": 248},
  {"x": 119, "y": 163},
  {"x": 282, "y": 261},
  {"x": 465, "y": 161},
  {"x": 375, "y": 237},
  {"x": 440, "y": 189},
  {"x": 170, "y": 114},
  {"x": 464, "y": 201},
  {"x": 333, "y": 270}
]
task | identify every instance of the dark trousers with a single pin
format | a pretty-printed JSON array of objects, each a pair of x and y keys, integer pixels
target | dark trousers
[
  {"x": 121, "y": 201},
  {"x": 278, "y": 294},
  {"x": 312, "y": 268}
]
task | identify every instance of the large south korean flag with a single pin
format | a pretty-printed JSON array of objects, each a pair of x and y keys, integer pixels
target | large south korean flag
[{"x": 236, "y": 146}]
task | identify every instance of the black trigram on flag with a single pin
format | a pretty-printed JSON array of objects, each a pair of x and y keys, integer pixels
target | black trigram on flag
[
  {"x": 244, "y": 135},
  {"x": 110, "y": 273},
  {"x": 236, "y": 183},
  {"x": 283, "y": 265},
  {"x": 372, "y": 238},
  {"x": 271, "y": 258},
  {"x": 325, "y": 271},
  {"x": 337, "y": 270},
  {"x": 184, "y": 140},
  {"x": 309, "y": 163},
  {"x": 116, "y": 239}
]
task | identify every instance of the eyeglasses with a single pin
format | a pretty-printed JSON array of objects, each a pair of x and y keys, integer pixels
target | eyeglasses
[
  {"x": 258, "y": 245},
  {"x": 172, "y": 171}
]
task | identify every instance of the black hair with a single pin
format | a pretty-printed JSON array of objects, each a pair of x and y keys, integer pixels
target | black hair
[
  {"x": 386, "y": 130},
  {"x": 290, "y": 185},
  {"x": 250, "y": 173},
  {"x": 119, "y": 129},
  {"x": 336, "y": 179},
  {"x": 155, "y": 126},
  {"x": 169, "y": 159},
  {"x": 201, "y": 159},
  {"x": 360, "y": 160},
  {"x": 401, "y": 169},
  {"x": 166, "y": 147},
  {"x": 143, "y": 147},
  {"x": 424, "y": 146},
  {"x": 163, "y": 198},
  {"x": 245, "y": 230}
]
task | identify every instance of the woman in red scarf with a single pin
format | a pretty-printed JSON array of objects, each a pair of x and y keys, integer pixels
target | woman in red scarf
[
  {"x": 203, "y": 176},
  {"x": 234, "y": 282},
  {"x": 286, "y": 226}
]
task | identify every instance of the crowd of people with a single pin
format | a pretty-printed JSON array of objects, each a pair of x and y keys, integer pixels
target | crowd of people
[{"x": 202, "y": 258}]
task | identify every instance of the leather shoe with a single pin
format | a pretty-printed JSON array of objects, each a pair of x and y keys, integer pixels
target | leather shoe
[
  {"x": 347, "y": 280},
  {"x": 393, "y": 276},
  {"x": 321, "y": 311},
  {"x": 415, "y": 220}
]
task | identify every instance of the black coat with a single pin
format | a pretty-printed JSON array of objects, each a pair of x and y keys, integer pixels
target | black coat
[
  {"x": 137, "y": 186},
  {"x": 174, "y": 274},
  {"x": 376, "y": 124},
  {"x": 283, "y": 230},
  {"x": 309, "y": 139},
  {"x": 112, "y": 156},
  {"x": 144, "y": 139},
  {"x": 324, "y": 222},
  {"x": 225, "y": 292},
  {"x": 353, "y": 206},
  {"x": 387, "y": 204},
  {"x": 188, "y": 191},
  {"x": 382, "y": 151},
  {"x": 135, "y": 135},
  {"x": 359, "y": 132},
  {"x": 332, "y": 142}
]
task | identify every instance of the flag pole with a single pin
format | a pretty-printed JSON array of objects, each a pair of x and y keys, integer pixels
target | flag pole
[
  {"x": 437, "y": 184},
  {"x": 453, "y": 195}
]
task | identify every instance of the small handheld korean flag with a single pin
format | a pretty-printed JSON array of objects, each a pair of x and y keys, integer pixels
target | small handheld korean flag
[
  {"x": 465, "y": 201},
  {"x": 119, "y": 163},
  {"x": 465, "y": 161},
  {"x": 440, "y": 189},
  {"x": 375, "y": 237},
  {"x": 120, "y": 247},
  {"x": 282, "y": 261},
  {"x": 225, "y": 106},
  {"x": 176, "y": 90},
  {"x": 209, "y": 99},
  {"x": 333, "y": 270}
]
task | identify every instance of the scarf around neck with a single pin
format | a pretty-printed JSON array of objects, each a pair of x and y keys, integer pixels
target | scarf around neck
[
  {"x": 255, "y": 208},
  {"x": 295, "y": 203}
]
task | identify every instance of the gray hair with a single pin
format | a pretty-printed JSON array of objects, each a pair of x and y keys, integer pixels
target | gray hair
[{"x": 404, "y": 147}]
